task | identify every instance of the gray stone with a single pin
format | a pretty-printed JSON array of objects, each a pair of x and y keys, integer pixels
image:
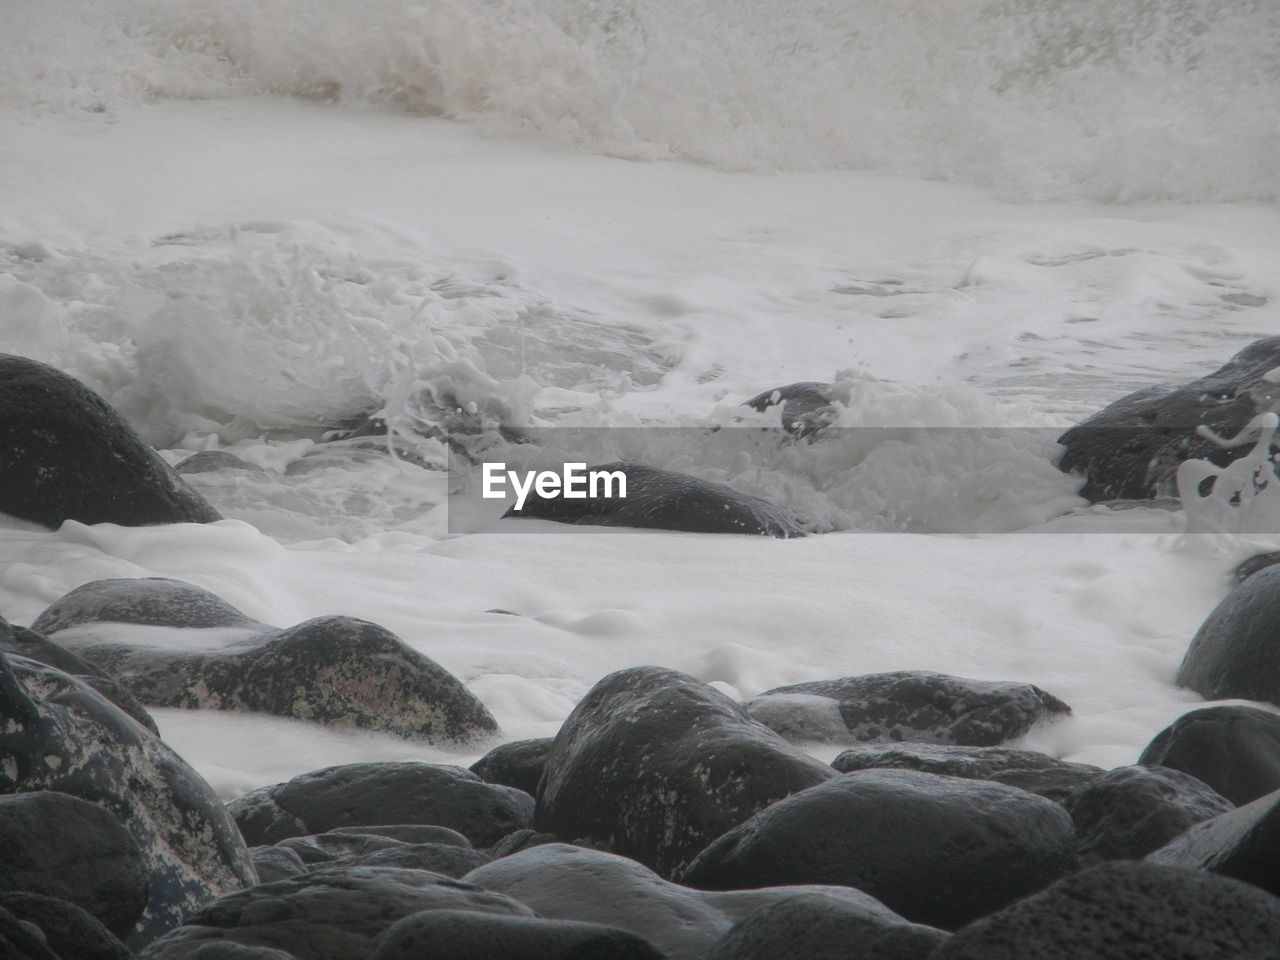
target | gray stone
[
  {"x": 518, "y": 764},
  {"x": 1235, "y": 750},
  {"x": 1234, "y": 654},
  {"x": 459, "y": 935},
  {"x": 70, "y": 931},
  {"x": 1240, "y": 843}
]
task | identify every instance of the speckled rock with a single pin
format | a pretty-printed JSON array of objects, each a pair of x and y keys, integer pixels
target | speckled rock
[
  {"x": 1235, "y": 750},
  {"x": 1234, "y": 653},
  {"x": 906, "y": 705},
  {"x": 653, "y": 764},
  {"x": 518, "y": 764},
  {"x": 65, "y": 454},
  {"x": 459, "y": 935},
  {"x": 1240, "y": 843}
]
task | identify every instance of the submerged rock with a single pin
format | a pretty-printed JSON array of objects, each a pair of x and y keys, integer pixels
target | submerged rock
[
  {"x": 335, "y": 670},
  {"x": 907, "y": 705},
  {"x": 65, "y": 454},
  {"x": 1235, "y": 750},
  {"x": 654, "y": 765},
  {"x": 1234, "y": 654},
  {"x": 664, "y": 500},
  {"x": 1131, "y": 450}
]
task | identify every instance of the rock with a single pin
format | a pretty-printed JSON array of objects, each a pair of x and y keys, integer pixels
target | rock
[
  {"x": 518, "y": 764},
  {"x": 22, "y": 940},
  {"x": 355, "y": 850},
  {"x": 71, "y": 932},
  {"x": 276, "y": 863},
  {"x": 1131, "y": 450},
  {"x": 1234, "y": 655},
  {"x": 1240, "y": 843},
  {"x": 1025, "y": 769},
  {"x": 1127, "y": 911},
  {"x": 190, "y": 649},
  {"x": 56, "y": 733},
  {"x": 459, "y": 935},
  {"x": 564, "y": 882},
  {"x": 906, "y": 705},
  {"x": 1252, "y": 565},
  {"x": 58, "y": 846},
  {"x": 362, "y": 794},
  {"x": 807, "y": 407},
  {"x": 1130, "y": 811},
  {"x": 407, "y": 833},
  {"x": 664, "y": 500},
  {"x": 822, "y": 927},
  {"x": 65, "y": 454},
  {"x": 654, "y": 765},
  {"x": 206, "y": 461},
  {"x": 333, "y": 914},
  {"x": 226, "y": 950},
  {"x": 326, "y": 848},
  {"x": 938, "y": 850},
  {"x": 519, "y": 840},
  {"x": 1235, "y": 750},
  {"x": 29, "y": 644}
]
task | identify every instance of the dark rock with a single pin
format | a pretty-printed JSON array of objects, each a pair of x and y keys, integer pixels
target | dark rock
[
  {"x": 1131, "y": 450},
  {"x": 206, "y": 461},
  {"x": 408, "y": 833},
  {"x": 276, "y": 863},
  {"x": 65, "y": 454},
  {"x": 519, "y": 840},
  {"x": 59, "y": 846},
  {"x": 1260, "y": 561},
  {"x": 58, "y": 734},
  {"x": 336, "y": 670},
  {"x": 333, "y": 914},
  {"x": 938, "y": 850},
  {"x": 1240, "y": 843},
  {"x": 22, "y": 940},
  {"x": 664, "y": 500},
  {"x": 71, "y": 932},
  {"x": 362, "y": 794},
  {"x": 1025, "y": 769},
  {"x": 1131, "y": 811},
  {"x": 822, "y": 927},
  {"x": 906, "y": 705},
  {"x": 1235, "y": 750},
  {"x": 458, "y": 935},
  {"x": 1234, "y": 654},
  {"x": 1128, "y": 911},
  {"x": 330, "y": 847},
  {"x": 807, "y": 407},
  {"x": 227, "y": 950},
  {"x": 564, "y": 882},
  {"x": 654, "y": 765},
  {"x": 356, "y": 850},
  {"x": 29, "y": 644},
  {"x": 518, "y": 764}
]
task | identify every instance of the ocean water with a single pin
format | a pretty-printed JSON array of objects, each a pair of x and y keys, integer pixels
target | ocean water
[{"x": 250, "y": 223}]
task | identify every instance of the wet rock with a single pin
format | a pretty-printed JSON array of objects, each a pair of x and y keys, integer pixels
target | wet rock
[
  {"x": 1235, "y": 750},
  {"x": 356, "y": 850},
  {"x": 1240, "y": 843},
  {"x": 1131, "y": 450},
  {"x": 458, "y": 935},
  {"x": 207, "y": 461},
  {"x": 364, "y": 794},
  {"x": 333, "y": 914},
  {"x": 664, "y": 500},
  {"x": 1252, "y": 565},
  {"x": 938, "y": 850},
  {"x": 407, "y": 833},
  {"x": 906, "y": 705},
  {"x": 192, "y": 650},
  {"x": 276, "y": 863},
  {"x": 1025, "y": 769},
  {"x": 1127, "y": 911},
  {"x": 653, "y": 765},
  {"x": 62, "y": 847},
  {"x": 518, "y": 764},
  {"x": 1131, "y": 811},
  {"x": 57, "y": 733},
  {"x": 1234, "y": 653},
  {"x": 70, "y": 932},
  {"x": 519, "y": 840},
  {"x": 807, "y": 407},
  {"x": 564, "y": 882},
  {"x": 22, "y": 940},
  {"x": 65, "y": 454}
]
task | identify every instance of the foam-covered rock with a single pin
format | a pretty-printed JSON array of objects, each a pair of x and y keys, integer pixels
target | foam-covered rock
[
  {"x": 653, "y": 764},
  {"x": 1235, "y": 750},
  {"x": 1025, "y": 769},
  {"x": 71, "y": 932},
  {"x": 805, "y": 408},
  {"x": 175, "y": 645},
  {"x": 461, "y": 935},
  {"x": 368, "y": 794},
  {"x": 1240, "y": 843},
  {"x": 905, "y": 705},
  {"x": 938, "y": 850},
  {"x": 1131, "y": 811},
  {"x": 1234, "y": 654},
  {"x": 517, "y": 764},
  {"x": 65, "y": 454}
]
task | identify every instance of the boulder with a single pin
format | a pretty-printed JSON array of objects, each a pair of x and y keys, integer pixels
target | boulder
[
  {"x": 1240, "y": 843},
  {"x": 1234, "y": 654},
  {"x": 654, "y": 765},
  {"x": 1251, "y": 565},
  {"x": 906, "y": 705},
  {"x": 1027, "y": 770},
  {"x": 356, "y": 850},
  {"x": 276, "y": 863},
  {"x": 70, "y": 932},
  {"x": 1235, "y": 750},
  {"x": 65, "y": 454},
  {"x": 190, "y": 649},
  {"x": 1131, "y": 811},
  {"x": 363, "y": 794},
  {"x": 58, "y": 734},
  {"x": 407, "y": 833},
  {"x": 806, "y": 407},
  {"x": 207, "y": 461},
  {"x": 22, "y": 940},
  {"x": 1127, "y": 911},
  {"x": 518, "y": 764},
  {"x": 660, "y": 499},
  {"x": 460, "y": 935},
  {"x": 1131, "y": 450},
  {"x": 941, "y": 851}
]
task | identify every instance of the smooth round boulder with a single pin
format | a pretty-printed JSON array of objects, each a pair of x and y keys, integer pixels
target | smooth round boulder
[
  {"x": 23, "y": 940},
  {"x": 1234, "y": 654},
  {"x": 940, "y": 851},
  {"x": 65, "y": 454},
  {"x": 71, "y": 932},
  {"x": 517, "y": 764},
  {"x": 367, "y": 850},
  {"x": 1235, "y": 750},
  {"x": 1240, "y": 843},
  {"x": 459, "y": 935}
]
